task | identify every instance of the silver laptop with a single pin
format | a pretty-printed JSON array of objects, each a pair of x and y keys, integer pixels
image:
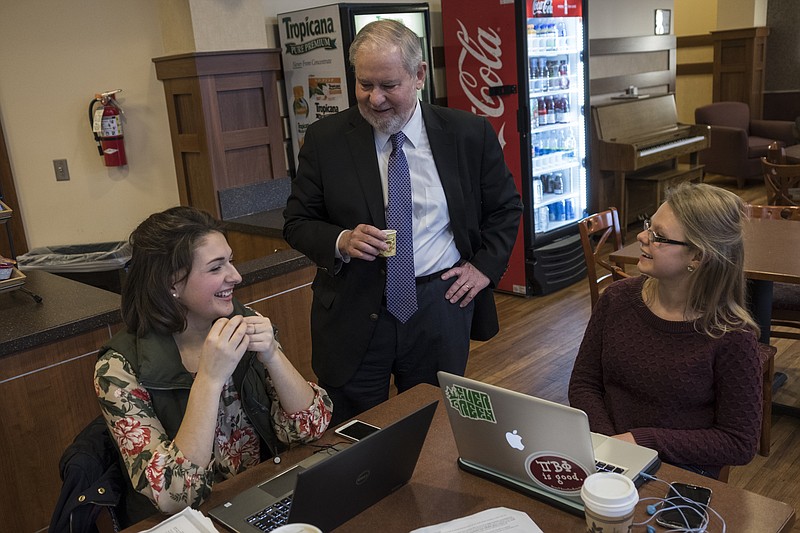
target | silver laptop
[
  {"x": 347, "y": 481},
  {"x": 539, "y": 447}
]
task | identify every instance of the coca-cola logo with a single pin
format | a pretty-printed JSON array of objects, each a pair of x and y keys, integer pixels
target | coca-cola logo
[
  {"x": 556, "y": 472},
  {"x": 487, "y": 51}
]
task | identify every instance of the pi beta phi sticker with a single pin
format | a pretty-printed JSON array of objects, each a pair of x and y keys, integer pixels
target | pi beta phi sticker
[{"x": 556, "y": 472}]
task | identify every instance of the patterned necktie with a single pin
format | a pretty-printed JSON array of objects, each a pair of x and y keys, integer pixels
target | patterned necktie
[{"x": 401, "y": 287}]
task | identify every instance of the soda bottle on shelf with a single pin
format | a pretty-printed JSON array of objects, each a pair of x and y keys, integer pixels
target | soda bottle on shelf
[
  {"x": 537, "y": 76},
  {"x": 544, "y": 78},
  {"x": 555, "y": 82},
  {"x": 551, "y": 112},
  {"x": 536, "y": 143},
  {"x": 561, "y": 28},
  {"x": 550, "y": 37},
  {"x": 542, "y": 112},
  {"x": 531, "y": 36},
  {"x": 537, "y": 191},
  {"x": 569, "y": 143},
  {"x": 558, "y": 183},
  {"x": 563, "y": 74},
  {"x": 559, "y": 106},
  {"x": 547, "y": 184}
]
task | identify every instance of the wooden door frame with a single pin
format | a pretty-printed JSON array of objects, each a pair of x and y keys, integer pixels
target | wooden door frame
[{"x": 8, "y": 192}]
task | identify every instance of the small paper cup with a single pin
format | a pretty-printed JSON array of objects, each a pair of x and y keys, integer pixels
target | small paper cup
[
  {"x": 391, "y": 240},
  {"x": 609, "y": 502}
]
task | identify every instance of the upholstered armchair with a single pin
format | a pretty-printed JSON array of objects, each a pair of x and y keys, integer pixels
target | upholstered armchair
[{"x": 737, "y": 142}]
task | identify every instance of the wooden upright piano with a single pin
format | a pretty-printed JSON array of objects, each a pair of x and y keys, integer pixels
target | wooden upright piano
[{"x": 636, "y": 144}]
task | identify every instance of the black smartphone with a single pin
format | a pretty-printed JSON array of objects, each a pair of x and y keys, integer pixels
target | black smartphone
[
  {"x": 693, "y": 511},
  {"x": 356, "y": 430}
]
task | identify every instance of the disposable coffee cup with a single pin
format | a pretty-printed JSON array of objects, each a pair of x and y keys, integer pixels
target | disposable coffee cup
[
  {"x": 297, "y": 528},
  {"x": 609, "y": 502},
  {"x": 391, "y": 240}
]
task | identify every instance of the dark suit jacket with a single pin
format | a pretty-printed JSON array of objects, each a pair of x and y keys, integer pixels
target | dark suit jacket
[{"x": 338, "y": 186}]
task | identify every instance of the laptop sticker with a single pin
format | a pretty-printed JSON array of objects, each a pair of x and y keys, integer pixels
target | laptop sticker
[
  {"x": 470, "y": 403},
  {"x": 556, "y": 472}
]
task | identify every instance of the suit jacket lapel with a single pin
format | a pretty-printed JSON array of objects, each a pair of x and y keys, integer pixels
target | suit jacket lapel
[
  {"x": 445, "y": 155},
  {"x": 361, "y": 143}
]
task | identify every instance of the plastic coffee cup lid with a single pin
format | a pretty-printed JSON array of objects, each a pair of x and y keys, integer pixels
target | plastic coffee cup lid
[
  {"x": 297, "y": 528},
  {"x": 610, "y": 494}
]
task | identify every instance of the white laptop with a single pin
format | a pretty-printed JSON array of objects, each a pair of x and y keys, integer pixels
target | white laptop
[
  {"x": 327, "y": 489},
  {"x": 539, "y": 447}
]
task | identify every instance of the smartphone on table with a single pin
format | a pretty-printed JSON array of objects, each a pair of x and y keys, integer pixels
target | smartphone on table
[
  {"x": 356, "y": 430},
  {"x": 692, "y": 510}
]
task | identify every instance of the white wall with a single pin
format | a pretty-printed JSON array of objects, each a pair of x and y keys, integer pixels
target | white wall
[
  {"x": 54, "y": 56},
  {"x": 625, "y": 18}
]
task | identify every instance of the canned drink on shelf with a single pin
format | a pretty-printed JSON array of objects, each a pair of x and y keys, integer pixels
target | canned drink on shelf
[
  {"x": 542, "y": 219},
  {"x": 537, "y": 191},
  {"x": 559, "y": 208},
  {"x": 569, "y": 207}
]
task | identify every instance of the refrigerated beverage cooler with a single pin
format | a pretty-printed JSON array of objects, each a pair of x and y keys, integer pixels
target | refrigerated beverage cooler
[
  {"x": 315, "y": 44},
  {"x": 524, "y": 65}
]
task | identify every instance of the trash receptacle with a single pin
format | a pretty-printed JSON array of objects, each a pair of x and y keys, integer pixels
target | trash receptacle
[{"x": 101, "y": 265}]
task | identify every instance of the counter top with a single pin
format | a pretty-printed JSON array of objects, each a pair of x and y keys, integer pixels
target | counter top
[
  {"x": 70, "y": 308},
  {"x": 269, "y": 223}
]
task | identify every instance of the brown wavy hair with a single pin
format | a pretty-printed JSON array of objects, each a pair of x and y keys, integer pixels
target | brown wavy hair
[{"x": 163, "y": 246}]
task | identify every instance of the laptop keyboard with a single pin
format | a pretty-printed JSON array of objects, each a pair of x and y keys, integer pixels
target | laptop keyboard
[
  {"x": 273, "y": 516},
  {"x": 608, "y": 467}
]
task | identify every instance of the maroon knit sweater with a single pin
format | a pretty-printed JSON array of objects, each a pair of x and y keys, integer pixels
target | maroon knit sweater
[{"x": 693, "y": 398}]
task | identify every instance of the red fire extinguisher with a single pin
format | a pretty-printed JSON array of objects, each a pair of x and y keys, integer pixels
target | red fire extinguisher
[{"x": 106, "y": 123}]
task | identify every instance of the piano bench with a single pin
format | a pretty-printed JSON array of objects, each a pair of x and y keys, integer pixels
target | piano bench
[{"x": 644, "y": 190}]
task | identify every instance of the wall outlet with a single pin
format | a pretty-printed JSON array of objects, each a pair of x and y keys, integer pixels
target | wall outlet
[{"x": 62, "y": 171}]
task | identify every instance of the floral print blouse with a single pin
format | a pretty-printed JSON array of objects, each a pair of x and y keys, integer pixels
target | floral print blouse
[{"x": 157, "y": 467}]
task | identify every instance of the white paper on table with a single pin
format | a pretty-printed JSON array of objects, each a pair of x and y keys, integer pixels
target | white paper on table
[
  {"x": 498, "y": 519},
  {"x": 187, "y": 521}
]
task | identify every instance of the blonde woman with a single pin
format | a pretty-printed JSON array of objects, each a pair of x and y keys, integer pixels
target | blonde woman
[{"x": 670, "y": 359}]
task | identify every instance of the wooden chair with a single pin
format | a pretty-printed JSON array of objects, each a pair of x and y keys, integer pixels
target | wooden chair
[
  {"x": 782, "y": 183},
  {"x": 785, "y": 296},
  {"x": 596, "y": 230},
  {"x": 767, "y": 354},
  {"x": 774, "y": 212}
]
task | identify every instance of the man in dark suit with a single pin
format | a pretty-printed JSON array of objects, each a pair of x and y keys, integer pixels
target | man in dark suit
[{"x": 466, "y": 213}]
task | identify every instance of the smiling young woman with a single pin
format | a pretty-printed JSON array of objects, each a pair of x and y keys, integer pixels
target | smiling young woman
[
  {"x": 670, "y": 359},
  {"x": 172, "y": 386}
]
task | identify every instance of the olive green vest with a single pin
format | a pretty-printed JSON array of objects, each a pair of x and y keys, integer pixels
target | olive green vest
[{"x": 156, "y": 362}]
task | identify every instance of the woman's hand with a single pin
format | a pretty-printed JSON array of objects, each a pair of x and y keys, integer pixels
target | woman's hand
[
  {"x": 627, "y": 437},
  {"x": 262, "y": 338},
  {"x": 224, "y": 347}
]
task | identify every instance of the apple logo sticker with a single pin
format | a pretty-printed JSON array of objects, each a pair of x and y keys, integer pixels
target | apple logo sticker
[{"x": 514, "y": 440}]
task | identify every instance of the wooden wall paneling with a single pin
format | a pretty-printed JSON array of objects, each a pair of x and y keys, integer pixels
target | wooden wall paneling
[
  {"x": 739, "y": 62},
  {"x": 248, "y": 246},
  {"x": 46, "y": 397},
  {"x": 236, "y": 129},
  {"x": 214, "y": 148},
  {"x": 615, "y": 65},
  {"x": 286, "y": 300}
]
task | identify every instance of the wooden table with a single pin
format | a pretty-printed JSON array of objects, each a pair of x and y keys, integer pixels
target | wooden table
[
  {"x": 439, "y": 491},
  {"x": 770, "y": 254}
]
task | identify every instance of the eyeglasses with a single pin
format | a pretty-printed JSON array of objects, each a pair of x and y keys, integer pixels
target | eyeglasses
[{"x": 655, "y": 237}]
